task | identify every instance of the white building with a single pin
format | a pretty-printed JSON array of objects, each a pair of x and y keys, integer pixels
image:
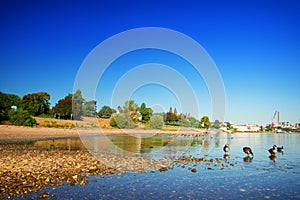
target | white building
[
  {"x": 247, "y": 128},
  {"x": 286, "y": 125}
]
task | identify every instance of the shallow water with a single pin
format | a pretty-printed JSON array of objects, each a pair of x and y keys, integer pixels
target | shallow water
[{"x": 260, "y": 178}]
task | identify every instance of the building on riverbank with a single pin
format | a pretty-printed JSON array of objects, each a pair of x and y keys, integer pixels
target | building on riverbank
[{"x": 247, "y": 128}]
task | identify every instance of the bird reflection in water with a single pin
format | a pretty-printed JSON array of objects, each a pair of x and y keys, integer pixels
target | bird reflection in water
[
  {"x": 226, "y": 157},
  {"x": 273, "y": 158},
  {"x": 248, "y": 159}
]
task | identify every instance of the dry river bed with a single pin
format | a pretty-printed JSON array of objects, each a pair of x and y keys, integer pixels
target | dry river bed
[{"x": 25, "y": 169}]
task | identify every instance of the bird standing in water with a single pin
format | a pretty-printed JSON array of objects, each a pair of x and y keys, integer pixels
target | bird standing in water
[
  {"x": 280, "y": 149},
  {"x": 247, "y": 150},
  {"x": 226, "y": 148},
  {"x": 273, "y": 150}
]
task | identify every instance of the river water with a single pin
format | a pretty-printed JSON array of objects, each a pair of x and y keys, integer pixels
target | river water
[{"x": 249, "y": 178}]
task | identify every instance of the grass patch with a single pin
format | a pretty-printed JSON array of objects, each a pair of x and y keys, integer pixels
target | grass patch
[
  {"x": 28, "y": 143},
  {"x": 86, "y": 122},
  {"x": 170, "y": 128}
]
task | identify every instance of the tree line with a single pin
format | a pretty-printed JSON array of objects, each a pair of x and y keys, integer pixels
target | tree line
[
  {"x": 20, "y": 111},
  {"x": 131, "y": 114}
]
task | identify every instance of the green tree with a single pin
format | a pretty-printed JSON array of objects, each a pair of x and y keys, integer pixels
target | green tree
[
  {"x": 142, "y": 107},
  {"x": 21, "y": 117},
  {"x": 216, "y": 124},
  {"x": 77, "y": 105},
  {"x": 145, "y": 112},
  {"x": 106, "y": 112},
  {"x": 89, "y": 108},
  {"x": 7, "y": 101},
  {"x": 229, "y": 126},
  {"x": 36, "y": 103},
  {"x": 63, "y": 108},
  {"x": 205, "y": 123},
  {"x": 156, "y": 122}
]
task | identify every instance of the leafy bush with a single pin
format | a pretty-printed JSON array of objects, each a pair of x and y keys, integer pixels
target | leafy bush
[
  {"x": 112, "y": 121},
  {"x": 106, "y": 112},
  {"x": 186, "y": 123},
  {"x": 121, "y": 121},
  {"x": 6, "y": 103},
  {"x": 21, "y": 117},
  {"x": 3, "y": 117},
  {"x": 156, "y": 122},
  {"x": 173, "y": 123}
]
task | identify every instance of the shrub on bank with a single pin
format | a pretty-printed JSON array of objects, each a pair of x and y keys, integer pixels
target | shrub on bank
[
  {"x": 21, "y": 117},
  {"x": 121, "y": 121},
  {"x": 156, "y": 122}
]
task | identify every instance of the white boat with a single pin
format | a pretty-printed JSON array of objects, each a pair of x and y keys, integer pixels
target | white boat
[{"x": 279, "y": 131}]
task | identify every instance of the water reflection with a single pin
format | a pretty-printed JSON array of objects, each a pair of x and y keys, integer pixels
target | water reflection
[
  {"x": 165, "y": 145},
  {"x": 273, "y": 158},
  {"x": 61, "y": 144},
  {"x": 226, "y": 157},
  {"x": 210, "y": 145},
  {"x": 248, "y": 159}
]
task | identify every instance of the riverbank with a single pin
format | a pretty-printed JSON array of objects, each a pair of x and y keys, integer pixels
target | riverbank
[{"x": 16, "y": 134}]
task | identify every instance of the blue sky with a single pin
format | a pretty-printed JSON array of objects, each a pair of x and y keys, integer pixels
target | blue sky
[{"x": 254, "y": 44}]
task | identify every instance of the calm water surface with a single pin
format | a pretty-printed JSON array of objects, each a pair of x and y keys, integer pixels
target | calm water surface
[{"x": 261, "y": 178}]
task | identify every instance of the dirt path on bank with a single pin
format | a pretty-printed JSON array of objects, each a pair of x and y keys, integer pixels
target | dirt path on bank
[{"x": 15, "y": 134}]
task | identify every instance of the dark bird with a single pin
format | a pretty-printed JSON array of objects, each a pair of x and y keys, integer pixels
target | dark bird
[
  {"x": 247, "y": 150},
  {"x": 280, "y": 149},
  {"x": 273, "y": 150},
  {"x": 226, "y": 148}
]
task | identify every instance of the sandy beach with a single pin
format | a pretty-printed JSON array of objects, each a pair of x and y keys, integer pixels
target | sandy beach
[{"x": 15, "y": 134}]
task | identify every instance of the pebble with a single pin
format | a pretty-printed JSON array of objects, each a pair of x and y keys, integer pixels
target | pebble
[
  {"x": 194, "y": 170},
  {"x": 25, "y": 169},
  {"x": 43, "y": 195}
]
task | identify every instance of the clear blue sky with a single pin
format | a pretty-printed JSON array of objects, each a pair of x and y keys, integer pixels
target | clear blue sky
[{"x": 255, "y": 45}]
